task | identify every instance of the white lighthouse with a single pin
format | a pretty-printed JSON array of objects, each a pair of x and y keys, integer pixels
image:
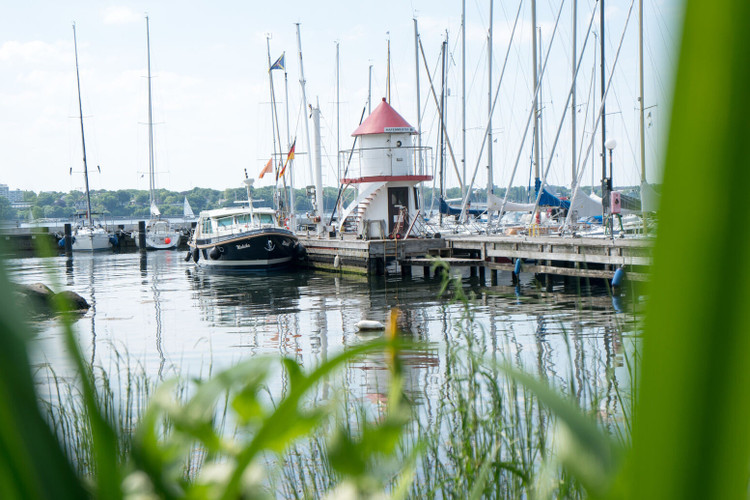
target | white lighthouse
[{"x": 383, "y": 172}]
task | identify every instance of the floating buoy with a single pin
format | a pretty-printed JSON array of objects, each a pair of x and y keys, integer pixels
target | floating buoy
[
  {"x": 215, "y": 253},
  {"x": 368, "y": 324},
  {"x": 618, "y": 277},
  {"x": 188, "y": 256},
  {"x": 167, "y": 240},
  {"x": 517, "y": 269},
  {"x": 196, "y": 254},
  {"x": 337, "y": 262}
]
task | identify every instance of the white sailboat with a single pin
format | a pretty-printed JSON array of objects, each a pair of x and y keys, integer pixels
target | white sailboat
[
  {"x": 159, "y": 233},
  {"x": 86, "y": 235}
]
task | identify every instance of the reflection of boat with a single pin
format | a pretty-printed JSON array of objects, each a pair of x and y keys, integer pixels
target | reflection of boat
[
  {"x": 159, "y": 233},
  {"x": 86, "y": 236},
  {"x": 243, "y": 238}
]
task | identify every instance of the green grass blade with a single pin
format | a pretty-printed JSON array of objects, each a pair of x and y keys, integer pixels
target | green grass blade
[
  {"x": 692, "y": 433},
  {"x": 32, "y": 464}
]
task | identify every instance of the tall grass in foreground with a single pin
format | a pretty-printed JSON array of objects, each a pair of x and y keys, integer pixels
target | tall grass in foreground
[{"x": 691, "y": 437}]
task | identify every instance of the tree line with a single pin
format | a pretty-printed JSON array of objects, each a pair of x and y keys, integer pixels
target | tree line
[{"x": 134, "y": 203}]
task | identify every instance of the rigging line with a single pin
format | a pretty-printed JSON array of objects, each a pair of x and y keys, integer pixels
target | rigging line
[
  {"x": 636, "y": 160},
  {"x": 492, "y": 111},
  {"x": 532, "y": 111},
  {"x": 589, "y": 100},
  {"x": 444, "y": 130},
  {"x": 601, "y": 107}
]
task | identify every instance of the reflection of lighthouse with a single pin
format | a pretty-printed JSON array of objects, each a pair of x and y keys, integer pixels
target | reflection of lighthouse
[{"x": 382, "y": 170}]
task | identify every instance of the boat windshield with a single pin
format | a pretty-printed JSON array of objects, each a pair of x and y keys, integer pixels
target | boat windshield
[
  {"x": 225, "y": 222},
  {"x": 265, "y": 218}
]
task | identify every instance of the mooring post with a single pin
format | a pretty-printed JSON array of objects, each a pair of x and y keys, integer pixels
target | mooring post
[
  {"x": 493, "y": 277},
  {"x": 426, "y": 271},
  {"x": 68, "y": 240},
  {"x": 473, "y": 271},
  {"x": 405, "y": 270},
  {"x": 482, "y": 276},
  {"x": 142, "y": 235}
]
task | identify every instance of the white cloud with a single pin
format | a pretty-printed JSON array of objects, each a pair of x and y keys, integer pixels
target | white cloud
[{"x": 120, "y": 15}]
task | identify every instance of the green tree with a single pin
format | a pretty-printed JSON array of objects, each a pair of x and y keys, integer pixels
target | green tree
[{"x": 6, "y": 211}]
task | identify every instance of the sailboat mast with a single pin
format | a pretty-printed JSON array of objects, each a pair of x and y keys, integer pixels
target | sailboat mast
[
  {"x": 302, "y": 83},
  {"x": 603, "y": 76},
  {"x": 463, "y": 96},
  {"x": 419, "y": 102},
  {"x": 640, "y": 98},
  {"x": 419, "y": 112},
  {"x": 536, "y": 93},
  {"x": 289, "y": 147},
  {"x": 151, "y": 183},
  {"x": 442, "y": 126},
  {"x": 274, "y": 116},
  {"x": 490, "y": 170},
  {"x": 388, "y": 72},
  {"x": 573, "y": 97},
  {"x": 83, "y": 140},
  {"x": 340, "y": 171},
  {"x": 338, "y": 110}
]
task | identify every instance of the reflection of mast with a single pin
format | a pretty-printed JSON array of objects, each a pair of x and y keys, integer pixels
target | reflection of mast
[
  {"x": 157, "y": 307},
  {"x": 92, "y": 311}
]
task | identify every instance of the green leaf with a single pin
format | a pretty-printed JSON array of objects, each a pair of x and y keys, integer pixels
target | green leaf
[
  {"x": 691, "y": 435},
  {"x": 32, "y": 464}
]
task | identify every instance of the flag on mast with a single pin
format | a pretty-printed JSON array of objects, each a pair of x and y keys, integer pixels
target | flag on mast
[
  {"x": 290, "y": 156},
  {"x": 279, "y": 64},
  {"x": 266, "y": 169}
]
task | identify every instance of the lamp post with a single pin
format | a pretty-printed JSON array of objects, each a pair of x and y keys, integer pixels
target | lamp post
[{"x": 610, "y": 145}]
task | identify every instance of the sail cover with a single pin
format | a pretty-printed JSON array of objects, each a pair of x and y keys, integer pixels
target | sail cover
[
  {"x": 548, "y": 199},
  {"x": 494, "y": 204},
  {"x": 583, "y": 205}
]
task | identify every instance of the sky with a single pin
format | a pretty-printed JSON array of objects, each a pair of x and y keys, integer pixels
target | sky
[{"x": 211, "y": 91}]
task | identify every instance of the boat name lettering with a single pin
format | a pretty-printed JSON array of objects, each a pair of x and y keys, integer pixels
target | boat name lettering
[{"x": 243, "y": 246}]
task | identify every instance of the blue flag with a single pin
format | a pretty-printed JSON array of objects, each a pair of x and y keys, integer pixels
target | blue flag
[{"x": 279, "y": 64}]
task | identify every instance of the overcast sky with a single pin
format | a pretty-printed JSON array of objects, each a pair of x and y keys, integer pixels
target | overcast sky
[{"x": 211, "y": 88}]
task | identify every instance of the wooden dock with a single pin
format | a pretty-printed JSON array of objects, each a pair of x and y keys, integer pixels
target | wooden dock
[
  {"x": 365, "y": 256},
  {"x": 596, "y": 258},
  {"x": 579, "y": 257}
]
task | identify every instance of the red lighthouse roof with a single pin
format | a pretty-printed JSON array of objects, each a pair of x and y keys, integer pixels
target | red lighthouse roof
[{"x": 384, "y": 120}]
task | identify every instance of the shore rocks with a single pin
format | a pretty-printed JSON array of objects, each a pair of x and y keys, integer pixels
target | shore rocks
[{"x": 43, "y": 296}]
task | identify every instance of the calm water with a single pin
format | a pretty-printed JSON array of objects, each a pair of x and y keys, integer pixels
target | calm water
[{"x": 171, "y": 318}]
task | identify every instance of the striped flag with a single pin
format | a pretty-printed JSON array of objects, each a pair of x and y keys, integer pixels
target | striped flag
[{"x": 290, "y": 156}]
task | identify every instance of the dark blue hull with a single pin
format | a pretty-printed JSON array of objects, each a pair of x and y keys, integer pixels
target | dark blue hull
[{"x": 255, "y": 250}]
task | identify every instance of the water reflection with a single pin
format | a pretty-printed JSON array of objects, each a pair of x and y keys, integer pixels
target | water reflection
[{"x": 159, "y": 311}]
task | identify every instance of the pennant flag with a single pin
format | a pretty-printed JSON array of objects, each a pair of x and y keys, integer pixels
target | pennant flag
[
  {"x": 266, "y": 169},
  {"x": 290, "y": 156},
  {"x": 279, "y": 64}
]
